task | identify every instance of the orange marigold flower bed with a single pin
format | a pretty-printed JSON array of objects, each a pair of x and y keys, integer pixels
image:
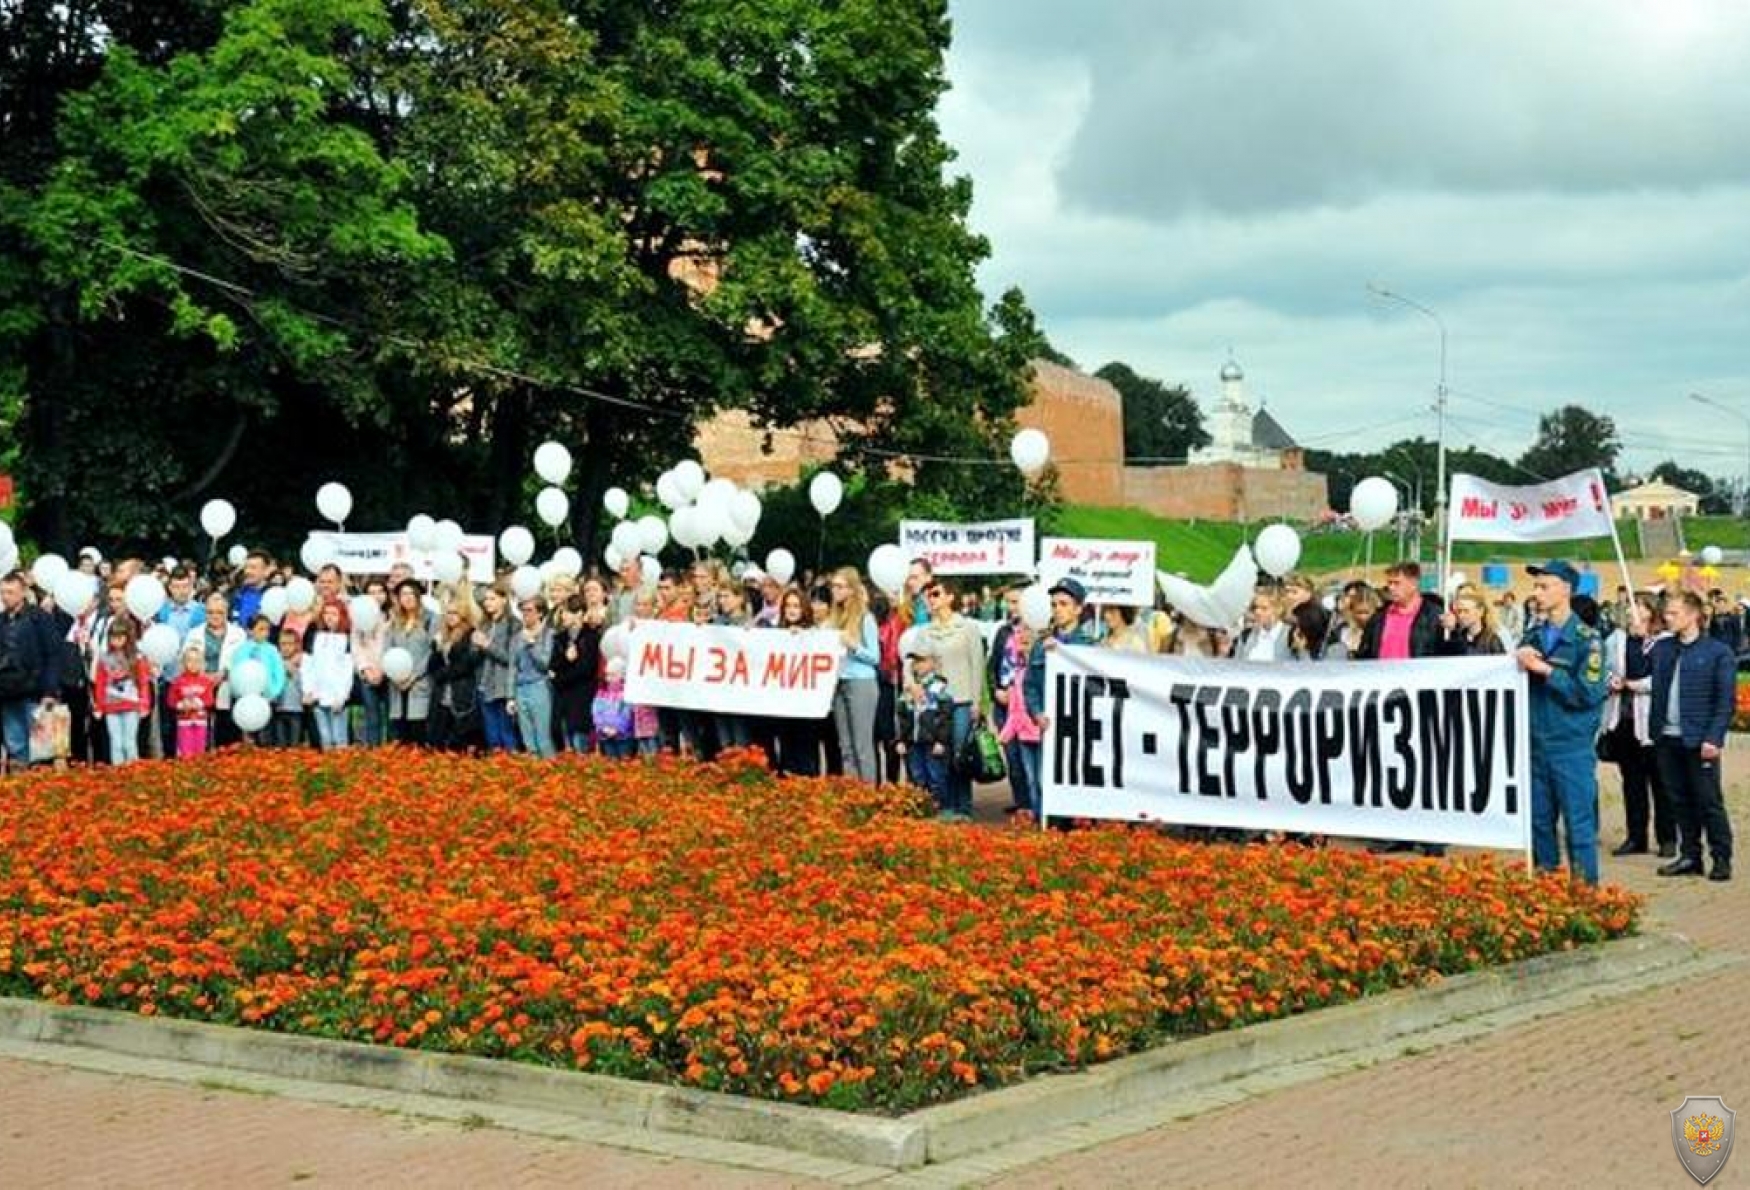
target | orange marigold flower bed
[{"x": 811, "y": 941}]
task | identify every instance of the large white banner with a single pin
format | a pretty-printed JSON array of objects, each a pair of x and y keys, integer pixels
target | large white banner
[
  {"x": 1116, "y": 572},
  {"x": 1564, "y": 509},
  {"x": 733, "y": 671},
  {"x": 375, "y": 553},
  {"x": 1431, "y": 751},
  {"x": 986, "y": 547}
]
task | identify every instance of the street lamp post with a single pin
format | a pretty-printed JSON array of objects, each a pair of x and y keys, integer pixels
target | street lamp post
[
  {"x": 1441, "y": 548},
  {"x": 1412, "y": 506},
  {"x": 1740, "y": 506}
]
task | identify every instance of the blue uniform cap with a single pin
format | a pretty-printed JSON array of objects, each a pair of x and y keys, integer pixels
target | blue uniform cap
[{"x": 1556, "y": 568}]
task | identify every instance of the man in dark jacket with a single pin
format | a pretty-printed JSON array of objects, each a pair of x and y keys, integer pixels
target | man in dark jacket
[
  {"x": 30, "y": 672},
  {"x": 1694, "y": 681},
  {"x": 1407, "y": 626}
]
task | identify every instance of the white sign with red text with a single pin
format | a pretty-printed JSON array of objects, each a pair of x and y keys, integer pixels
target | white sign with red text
[
  {"x": 1116, "y": 572},
  {"x": 732, "y": 671},
  {"x": 1564, "y": 509},
  {"x": 985, "y": 547}
]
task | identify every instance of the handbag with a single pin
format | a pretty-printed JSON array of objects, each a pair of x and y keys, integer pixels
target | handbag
[
  {"x": 51, "y": 734},
  {"x": 980, "y": 756},
  {"x": 1608, "y": 748}
]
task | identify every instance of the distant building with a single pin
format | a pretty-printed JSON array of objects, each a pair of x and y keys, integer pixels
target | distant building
[
  {"x": 1252, "y": 469},
  {"x": 1654, "y": 500}
]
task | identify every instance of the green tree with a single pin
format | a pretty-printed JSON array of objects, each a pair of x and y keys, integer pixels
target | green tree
[
  {"x": 1716, "y": 495},
  {"x": 1571, "y": 439},
  {"x": 1161, "y": 425},
  {"x": 399, "y": 245}
]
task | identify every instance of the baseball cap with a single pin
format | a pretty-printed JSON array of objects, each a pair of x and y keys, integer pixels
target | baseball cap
[
  {"x": 1556, "y": 568},
  {"x": 1070, "y": 587},
  {"x": 920, "y": 646}
]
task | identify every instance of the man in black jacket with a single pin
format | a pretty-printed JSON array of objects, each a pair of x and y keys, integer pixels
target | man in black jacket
[{"x": 30, "y": 672}]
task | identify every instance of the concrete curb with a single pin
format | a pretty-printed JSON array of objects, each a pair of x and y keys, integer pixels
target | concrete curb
[{"x": 932, "y": 1135}]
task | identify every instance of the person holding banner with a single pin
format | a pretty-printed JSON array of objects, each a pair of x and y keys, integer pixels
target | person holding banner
[
  {"x": 1266, "y": 638},
  {"x": 1067, "y": 598},
  {"x": 1565, "y": 662},
  {"x": 1407, "y": 627},
  {"x": 1694, "y": 681},
  {"x": 959, "y": 654},
  {"x": 1626, "y": 734}
]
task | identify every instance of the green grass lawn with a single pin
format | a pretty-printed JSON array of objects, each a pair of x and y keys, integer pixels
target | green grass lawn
[{"x": 1199, "y": 549}]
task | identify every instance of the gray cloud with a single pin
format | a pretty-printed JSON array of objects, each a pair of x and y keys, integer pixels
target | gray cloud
[{"x": 1567, "y": 183}]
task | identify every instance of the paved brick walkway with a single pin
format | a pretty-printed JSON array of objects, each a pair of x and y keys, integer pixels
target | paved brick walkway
[{"x": 1578, "y": 1099}]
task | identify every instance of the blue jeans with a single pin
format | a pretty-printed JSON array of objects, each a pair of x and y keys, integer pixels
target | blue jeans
[
  {"x": 16, "y": 717},
  {"x": 375, "y": 701},
  {"x": 331, "y": 727},
  {"x": 928, "y": 773},
  {"x": 618, "y": 747},
  {"x": 495, "y": 721},
  {"x": 578, "y": 742},
  {"x": 1564, "y": 787},
  {"x": 124, "y": 737},
  {"x": 534, "y": 717},
  {"x": 1026, "y": 761},
  {"x": 959, "y": 784}
]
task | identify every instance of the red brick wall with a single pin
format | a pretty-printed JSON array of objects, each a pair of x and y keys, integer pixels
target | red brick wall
[{"x": 1225, "y": 492}]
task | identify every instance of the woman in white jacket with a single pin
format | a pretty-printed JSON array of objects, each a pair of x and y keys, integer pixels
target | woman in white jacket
[{"x": 218, "y": 640}]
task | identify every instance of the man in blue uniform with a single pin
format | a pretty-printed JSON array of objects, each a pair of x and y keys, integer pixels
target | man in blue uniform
[{"x": 1565, "y": 661}]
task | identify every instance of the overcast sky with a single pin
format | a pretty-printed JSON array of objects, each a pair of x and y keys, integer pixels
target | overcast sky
[{"x": 1567, "y": 183}]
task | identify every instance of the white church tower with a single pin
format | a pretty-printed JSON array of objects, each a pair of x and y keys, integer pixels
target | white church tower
[{"x": 1232, "y": 432}]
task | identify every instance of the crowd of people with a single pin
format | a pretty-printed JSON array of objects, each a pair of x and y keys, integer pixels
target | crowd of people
[{"x": 1645, "y": 683}]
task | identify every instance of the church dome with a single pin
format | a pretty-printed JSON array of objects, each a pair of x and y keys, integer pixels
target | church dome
[{"x": 1231, "y": 371}]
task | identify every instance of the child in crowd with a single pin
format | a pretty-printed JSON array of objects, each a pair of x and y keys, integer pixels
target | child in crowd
[
  {"x": 614, "y": 731},
  {"x": 192, "y": 696},
  {"x": 1020, "y": 727},
  {"x": 926, "y": 721},
  {"x": 122, "y": 693},
  {"x": 287, "y": 728}
]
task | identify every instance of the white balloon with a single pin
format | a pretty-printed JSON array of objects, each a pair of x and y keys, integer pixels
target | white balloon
[
  {"x": 1373, "y": 503},
  {"x": 649, "y": 571},
  {"x": 628, "y": 538},
  {"x": 710, "y": 523},
  {"x": 1031, "y": 450},
  {"x": 1036, "y": 607},
  {"x": 718, "y": 491},
  {"x": 448, "y": 568},
  {"x": 734, "y": 535},
  {"x": 680, "y": 527},
  {"x": 159, "y": 644},
  {"x": 1712, "y": 555},
  {"x": 47, "y": 572},
  {"x": 549, "y": 572},
  {"x": 300, "y": 594},
  {"x": 273, "y": 604},
  {"x": 365, "y": 613},
  {"x": 552, "y": 463},
  {"x": 652, "y": 534},
  {"x": 689, "y": 479},
  {"x": 613, "y": 557},
  {"x": 316, "y": 553},
  {"x": 8, "y": 557},
  {"x": 248, "y": 678},
  {"x": 525, "y": 582},
  {"x": 144, "y": 595},
  {"x": 1455, "y": 580},
  {"x": 617, "y": 502},
  {"x": 218, "y": 518},
  {"x": 75, "y": 591},
  {"x": 237, "y": 555},
  {"x": 568, "y": 562},
  {"x": 334, "y": 502},
  {"x": 6, "y": 535},
  {"x": 826, "y": 491},
  {"x": 397, "y": 664},
  {"x": 1277, "y": 549},
  {"x": 447, "y": 537},
  {"x": 745, "y": 510},
  {"x": 781, "y": 565},
  {"x": 887, "y": 567},
  {"x": 908, "y": 640},
  {"x": 251, "y": 712},
  {"x": 422, "y": 534},
  {"x": 168, "y": 562},
  {"x": 552, "y": 505},
  {"x": 517, "y": 545},
  {"x": 614, "y": 642},
  {"x": 668, "y": 491}
]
